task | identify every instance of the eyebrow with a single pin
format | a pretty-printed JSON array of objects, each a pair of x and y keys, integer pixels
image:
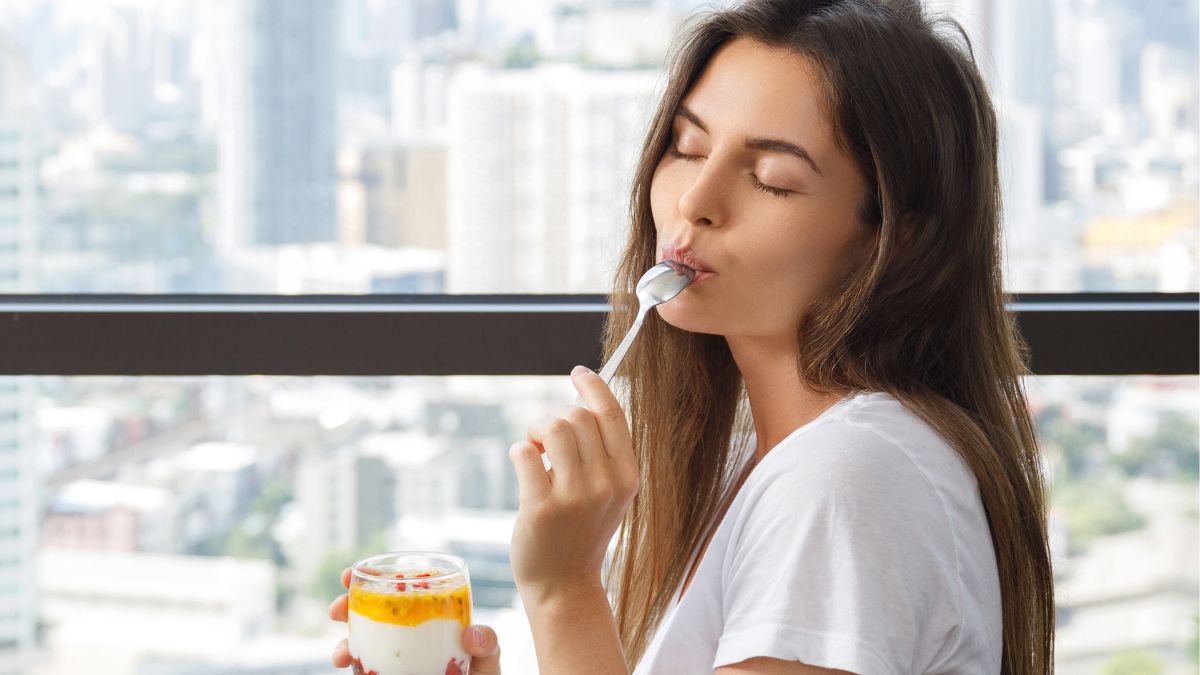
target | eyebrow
[{"x": 769, "y": 144}]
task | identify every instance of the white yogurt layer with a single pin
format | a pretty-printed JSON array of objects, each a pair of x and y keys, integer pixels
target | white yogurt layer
[{"x": 389, "y": 649}]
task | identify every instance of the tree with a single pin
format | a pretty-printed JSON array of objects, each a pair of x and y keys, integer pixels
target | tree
[
  {"x": 1078, "y": 443},
  {"x": 328, "y": 583},
  {"x": 1134, "y": 662},
  {"x": 1094, "y": 509},
  {"x": 1171, "y": 451}
]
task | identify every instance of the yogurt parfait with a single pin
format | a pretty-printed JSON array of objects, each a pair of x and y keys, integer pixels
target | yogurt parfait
[{"x": 407, "y": 612}]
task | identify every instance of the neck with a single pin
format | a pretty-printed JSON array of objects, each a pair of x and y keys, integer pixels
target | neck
[{"x": 780, "y": 402}]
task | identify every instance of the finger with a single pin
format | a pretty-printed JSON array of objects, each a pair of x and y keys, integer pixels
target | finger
[
  {"x": 341, "y": 655},
  {"x": 348, "y": 573},
  {"x": 339, "y": 607},
  {"x": 533, "y": 481},
  {"x": 587, "y": 434},
  {"x": 481, "y": 643},
  {"x": 610, "y": 417},
  {"x": 558, "y": 438}
]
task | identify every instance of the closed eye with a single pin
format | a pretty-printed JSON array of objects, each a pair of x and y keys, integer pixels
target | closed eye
[
  {"x": 758, "y": 185},
  {"x": 679, "y": 155},
  {"x": 763, "y": 187}
]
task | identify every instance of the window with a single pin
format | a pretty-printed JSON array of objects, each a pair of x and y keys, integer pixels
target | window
[
  {"x": 400, "y": 150},
  {"x": 148, "y": 476},
  {"x": 392, "y": 146}
]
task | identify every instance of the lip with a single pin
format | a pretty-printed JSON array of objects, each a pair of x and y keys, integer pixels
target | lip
[
  {"x": 701, "y": 276},
  {"x": 685, "y": 256}
]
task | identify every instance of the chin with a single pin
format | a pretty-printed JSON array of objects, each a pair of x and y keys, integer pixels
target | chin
[{"x": 679, "y": 316}]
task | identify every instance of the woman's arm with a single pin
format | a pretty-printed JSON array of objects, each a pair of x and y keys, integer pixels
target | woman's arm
[
  {"x": 574, "y": 632},
  {"x": 566, "y": 519}
]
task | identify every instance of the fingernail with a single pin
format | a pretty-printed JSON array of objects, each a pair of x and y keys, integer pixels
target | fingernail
[
  {"x": 579, "y": 370},
  {"x": 478, "y": 636}
]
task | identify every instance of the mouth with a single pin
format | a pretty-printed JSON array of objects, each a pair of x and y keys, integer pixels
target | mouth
[
  {"x": 682, "y": 257},
  {"x": 697, "y": 276}
]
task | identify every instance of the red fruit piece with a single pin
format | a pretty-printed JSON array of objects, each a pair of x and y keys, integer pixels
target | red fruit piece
[
  {"x": 454, "y": 668},
  {"x": 357, "y": 666}
]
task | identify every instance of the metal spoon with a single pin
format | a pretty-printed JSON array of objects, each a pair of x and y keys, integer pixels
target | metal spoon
[{"x": 658, "y": 285}]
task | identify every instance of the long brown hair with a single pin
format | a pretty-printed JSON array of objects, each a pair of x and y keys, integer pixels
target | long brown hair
[{"x": 924, "y": 320}]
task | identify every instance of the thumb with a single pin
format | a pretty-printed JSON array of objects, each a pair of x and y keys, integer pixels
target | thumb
[{"x": 484, "y": 647}]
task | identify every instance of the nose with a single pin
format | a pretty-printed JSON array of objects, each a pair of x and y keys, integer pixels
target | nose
[{"x": 703, "y": 202}]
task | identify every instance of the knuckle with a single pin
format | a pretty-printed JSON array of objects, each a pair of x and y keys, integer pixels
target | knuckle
[
  {"x": 559, "y": 427},
  {"x": 518, "y": 451},
  {"x": 611, "y": 413},
  {"x": 629, "y": 488},
  {"x": 578, "y": 415},
  {"x": 630, "y": 482},
  {"x": 603, "y": 491}
]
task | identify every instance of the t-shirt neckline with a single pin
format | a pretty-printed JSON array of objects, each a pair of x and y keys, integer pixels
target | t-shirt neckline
[{"x": 677, "y": 596}]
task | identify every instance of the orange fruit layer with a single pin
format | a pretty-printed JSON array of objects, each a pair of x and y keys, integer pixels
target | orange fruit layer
[{"x": 412, "y": 608}]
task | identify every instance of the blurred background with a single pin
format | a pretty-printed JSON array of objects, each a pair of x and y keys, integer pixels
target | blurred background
[{"x": 180, "y": 526}]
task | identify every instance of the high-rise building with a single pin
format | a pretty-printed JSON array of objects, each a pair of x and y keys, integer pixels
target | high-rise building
[
  {"x": 18, "y": 476},
  {"x": 418, "y": 97},
  {"x": 540, "y": 162},
  {"x": 1023, "y": 46},
  {"x": 1096, "y": 74},
  {"x": 277, "y": 127},
  {"x": 108, "y": 610},
  {"x": 393, "y": 194}
]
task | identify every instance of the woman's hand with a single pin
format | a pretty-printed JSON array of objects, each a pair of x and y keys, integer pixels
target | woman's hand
[
  {"x": 568, "y": 514},
  {"x": 479, "y": 641}
]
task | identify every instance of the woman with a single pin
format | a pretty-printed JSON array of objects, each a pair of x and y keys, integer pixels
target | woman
[{"x": 831, "y": 467}]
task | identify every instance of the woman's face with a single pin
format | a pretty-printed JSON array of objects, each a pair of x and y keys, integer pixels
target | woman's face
[{"x": 755, "y": 185}]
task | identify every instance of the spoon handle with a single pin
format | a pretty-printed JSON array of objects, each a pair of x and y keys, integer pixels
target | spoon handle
[{"x": 610, "y": 368}]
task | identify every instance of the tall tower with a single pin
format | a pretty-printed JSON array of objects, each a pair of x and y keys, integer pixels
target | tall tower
[
  {"x": 540, "y": 162},
  {"x": 277, "y": 129}
]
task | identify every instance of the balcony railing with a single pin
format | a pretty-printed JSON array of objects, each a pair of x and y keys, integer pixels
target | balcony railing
[{"x": 176, "y": 335}]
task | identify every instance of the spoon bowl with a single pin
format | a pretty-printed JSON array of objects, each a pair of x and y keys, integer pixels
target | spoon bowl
[
  {"x": 658, "y": 285},
  {"x": 661, "y": 283}
]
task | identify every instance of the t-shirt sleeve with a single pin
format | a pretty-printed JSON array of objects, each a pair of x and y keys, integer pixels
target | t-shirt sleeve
[{"x": 841, "y": 557}]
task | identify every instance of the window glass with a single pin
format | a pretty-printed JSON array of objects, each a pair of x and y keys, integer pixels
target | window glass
[
  {"x": 397, "y": 146},
  {"x": 198, "y": 525}
]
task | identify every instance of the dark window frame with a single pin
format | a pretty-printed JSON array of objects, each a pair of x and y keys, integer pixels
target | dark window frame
[{"x": 435, "y": 335}]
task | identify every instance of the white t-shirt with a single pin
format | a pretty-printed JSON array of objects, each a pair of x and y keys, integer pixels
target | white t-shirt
[{"x": 858, "y": 543}]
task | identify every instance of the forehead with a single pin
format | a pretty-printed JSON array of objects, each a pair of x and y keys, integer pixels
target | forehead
[{"x": 750, "y": 89}]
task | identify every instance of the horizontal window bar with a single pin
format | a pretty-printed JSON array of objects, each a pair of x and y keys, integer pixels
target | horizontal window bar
[
  {"x": 177, "y": 335},
  {"x": 83, "y": 300},
  {"x": 292, "y": 308}
]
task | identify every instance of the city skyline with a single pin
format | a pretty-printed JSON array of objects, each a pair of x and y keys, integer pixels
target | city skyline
[
  {"x": 477, "y": 146},
  {"x": 167, "y": 149}
]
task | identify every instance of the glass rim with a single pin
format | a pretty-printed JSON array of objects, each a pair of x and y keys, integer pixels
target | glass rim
[{"x": 355, "y": 569}]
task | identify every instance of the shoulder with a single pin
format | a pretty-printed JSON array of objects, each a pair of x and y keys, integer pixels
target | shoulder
[
  {"x": 873, "y": 438},
  {"x": 845, "y": 534},
  {"x": 853, "y": 444},
  {"x": 872, "y": 461}
]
